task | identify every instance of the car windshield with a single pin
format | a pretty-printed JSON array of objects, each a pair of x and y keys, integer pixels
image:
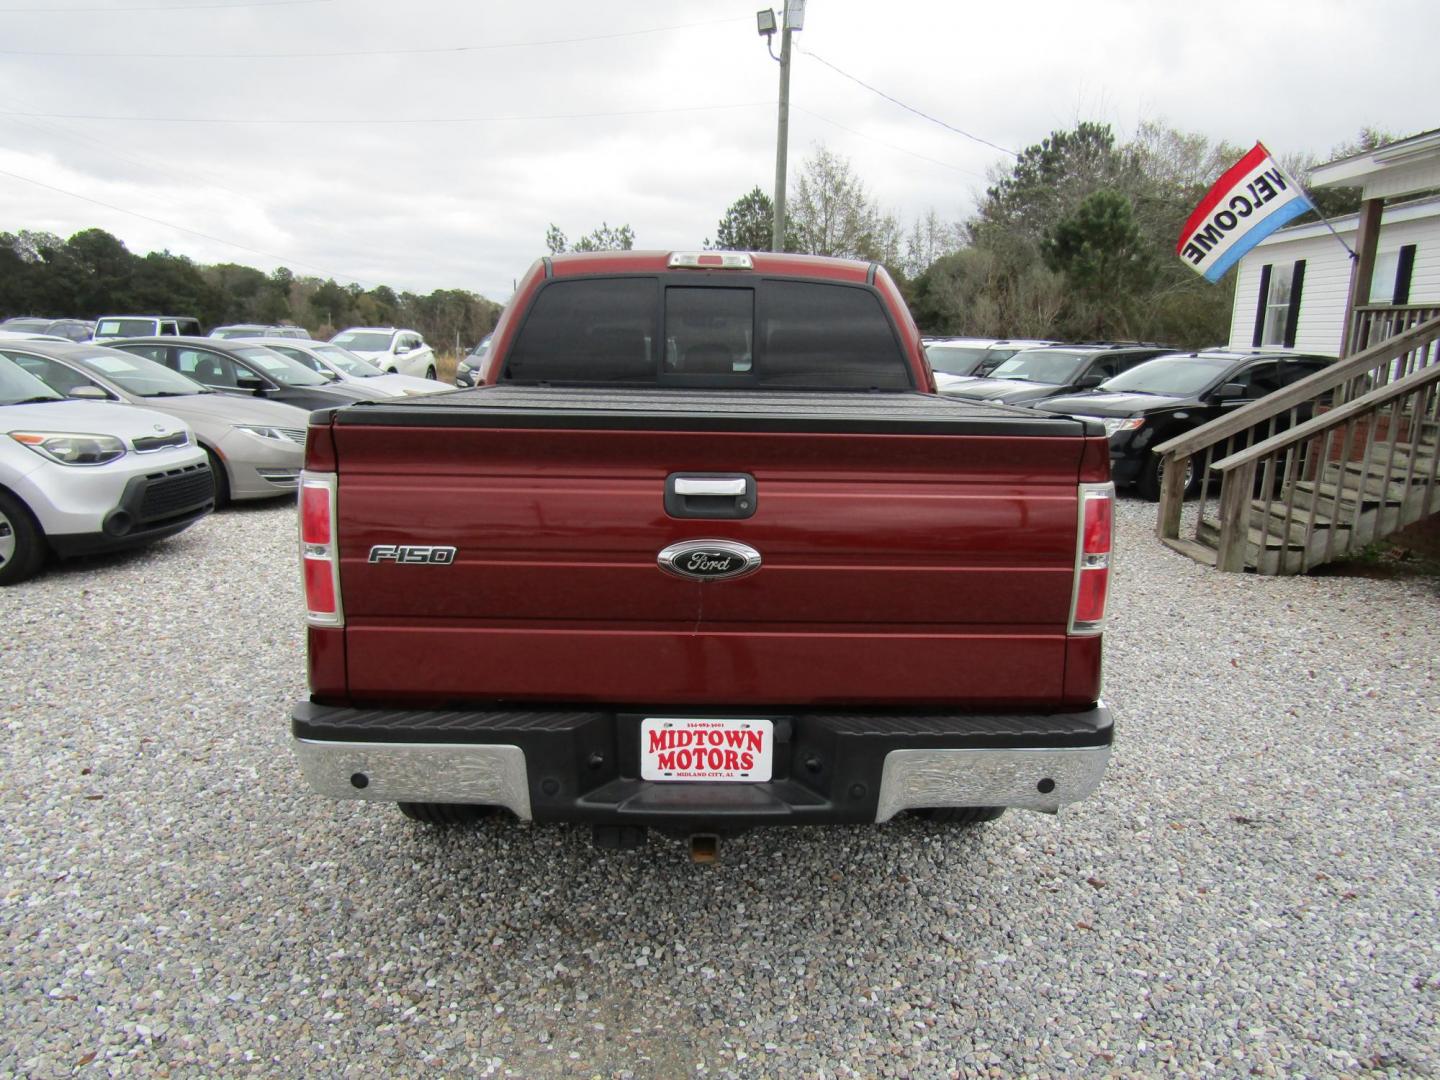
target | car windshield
[
  {"x": 363, "y": 341},
  {"x": 137, "y": 375},
  {"x": 347, "y": 361},
  {"x": 956, "y": 359},
  {"x": 282, "y": 369},
  {"x": 1174, "y": 375},
  {"x": 18, "y": 385},
  {"x": 125, "y": 327},
  {"x": 237, "y": 331},
  {"x": 1053, "y": 366}
]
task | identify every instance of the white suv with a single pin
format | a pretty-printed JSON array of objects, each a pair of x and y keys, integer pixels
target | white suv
[
  {"x": 108, "y": 327},
  {"x": 84, "y": 476},
  {"x": 399, "y": 351}
]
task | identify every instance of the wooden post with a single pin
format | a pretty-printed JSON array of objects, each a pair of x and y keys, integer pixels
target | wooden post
[
  {"x": 1361, "y": 270},
  {"x": 1172, "y": 495},
  {"x": 1235, "y": 493}
]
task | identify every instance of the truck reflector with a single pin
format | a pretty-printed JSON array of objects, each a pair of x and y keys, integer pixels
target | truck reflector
[
  {"x": 314, "y": 514},
  {"x": 1094, "y": 539},
  {"x": 711, "y": 260},
  {"x": 319, "y": 558}
]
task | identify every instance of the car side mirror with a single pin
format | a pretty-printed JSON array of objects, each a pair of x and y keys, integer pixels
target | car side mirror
[
  {"x": 88, "y": 393},
  {"x": 401, "y": 350},
  {"x": 1089, "y": 382},
  {"x": 1231, "y": 391},
  {"x": 251, "y": 383}
]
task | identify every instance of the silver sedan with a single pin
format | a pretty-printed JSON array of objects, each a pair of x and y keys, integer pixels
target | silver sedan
[{"x": 256, "y": 447}]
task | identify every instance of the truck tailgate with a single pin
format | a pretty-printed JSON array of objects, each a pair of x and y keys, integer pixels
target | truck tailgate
[{"x": 915, "y": 551}]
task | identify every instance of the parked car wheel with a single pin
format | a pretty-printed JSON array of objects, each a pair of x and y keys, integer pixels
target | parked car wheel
[
  {"x": 960, "y": 815},
  {"x": 222, "y": 479},
  {"x": 430, "y": 372},
  {"x": 445, "y": 813},
  {"x": 22, "y": 546},
  {"x": 1149, "y": 483}
]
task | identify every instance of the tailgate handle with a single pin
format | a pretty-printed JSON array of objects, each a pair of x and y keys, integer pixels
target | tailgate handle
[
  {"x": 686, "y": 485},
  {"x": 716, "y": 496}
]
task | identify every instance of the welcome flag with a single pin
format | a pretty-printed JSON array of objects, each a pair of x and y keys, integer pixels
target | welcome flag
[{"x": 1253, "y": 199}]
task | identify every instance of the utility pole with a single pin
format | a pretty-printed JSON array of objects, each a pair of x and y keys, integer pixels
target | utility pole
[{"x": 777, "y": 234}]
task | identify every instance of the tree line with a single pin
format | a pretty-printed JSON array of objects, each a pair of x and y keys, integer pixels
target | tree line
[
  {"x": 93, "y": 274},
  {"x": 1073, "y": 240}
]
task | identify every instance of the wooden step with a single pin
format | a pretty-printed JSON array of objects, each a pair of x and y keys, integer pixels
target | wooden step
[
  {"x": 1272, "y": 514},
  {"x": 1256, "y": 537},
  {"x": 1193, "y": 549},
  {"x": 1347, "y": 489},
  {"x": 1399, "y": 469}
]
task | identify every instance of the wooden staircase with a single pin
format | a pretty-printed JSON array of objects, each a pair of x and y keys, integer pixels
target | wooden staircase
[{"x": 1321, "y": 468}]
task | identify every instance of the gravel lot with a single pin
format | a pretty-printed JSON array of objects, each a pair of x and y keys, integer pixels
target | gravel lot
[{"x": 1253, "y": 891}]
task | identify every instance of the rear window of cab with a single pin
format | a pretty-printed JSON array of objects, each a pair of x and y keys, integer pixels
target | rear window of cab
[{"x": 771, "y": 333}]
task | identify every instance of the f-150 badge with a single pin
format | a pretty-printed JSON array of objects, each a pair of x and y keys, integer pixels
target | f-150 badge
[
  {"x": 709, "y": 560},
  {"x": 412, "y": 554}
]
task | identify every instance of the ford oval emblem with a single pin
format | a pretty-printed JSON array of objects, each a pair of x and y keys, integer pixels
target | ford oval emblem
[{"x": 709, "y": 560}]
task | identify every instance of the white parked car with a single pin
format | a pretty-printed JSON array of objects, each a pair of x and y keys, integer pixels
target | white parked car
[
  {"x": 79, "y": 477},
  {"x": 390, "y": 349},
  {"x": 249, "y": 330},
  {"x": 328, "y": 359},
  {"x": 958, "y": 360}
]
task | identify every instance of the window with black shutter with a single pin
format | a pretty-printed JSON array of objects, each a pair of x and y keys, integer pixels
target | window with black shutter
[{"x": 1278, "y": 316}]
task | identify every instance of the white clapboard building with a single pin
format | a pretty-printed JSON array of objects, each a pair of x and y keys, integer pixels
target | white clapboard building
[
  {"x": 1349, "y": 454},
  {"x": 1293, "y": 289}
]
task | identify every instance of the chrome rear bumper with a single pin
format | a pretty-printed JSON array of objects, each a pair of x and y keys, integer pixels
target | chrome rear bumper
[
  {"x": 1043, "y": 780},
  {"x": 548, "y": 765},
  {"x": 417, "y": 772}
]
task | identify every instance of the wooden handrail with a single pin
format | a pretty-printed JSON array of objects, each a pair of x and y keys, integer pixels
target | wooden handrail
[
  {"x": 1366, "y": 317},
  {"x": 1334, "y": 418},
  {"x": 1301, "y": 391}
]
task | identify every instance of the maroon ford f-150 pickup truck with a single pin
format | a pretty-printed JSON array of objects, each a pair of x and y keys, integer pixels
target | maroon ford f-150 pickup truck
[{"x": 703, "y": 551}]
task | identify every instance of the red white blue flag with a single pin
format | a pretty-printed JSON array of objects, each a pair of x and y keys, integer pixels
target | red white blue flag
[{"x": 1253, "y": 199}]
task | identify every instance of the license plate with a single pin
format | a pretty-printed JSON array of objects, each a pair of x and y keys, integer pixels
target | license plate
[{"x": 708, "y": 750}]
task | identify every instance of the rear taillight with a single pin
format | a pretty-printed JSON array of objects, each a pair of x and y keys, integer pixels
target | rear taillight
[
  {"x": 1092, "y": 558},
  {"x": 319, "y": 556}
]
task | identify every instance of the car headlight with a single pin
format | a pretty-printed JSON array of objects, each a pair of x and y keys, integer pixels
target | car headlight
[
  {"x": 71, "y": 449},
  {"x": 1116, "y": 424},
  {"x": 260, "y": 431}
]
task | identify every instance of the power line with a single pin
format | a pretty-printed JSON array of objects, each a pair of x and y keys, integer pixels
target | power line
[
  {"x": 881, "y": 142},
  {"x": 425, "y": 51},
  {"x": 169, "y": 169},
  {"x": 281, "y": 259},
  {"x": 909, "y": 108},
  {"x": 155, "y": 7},
  {"x": 336, "y": 120}
]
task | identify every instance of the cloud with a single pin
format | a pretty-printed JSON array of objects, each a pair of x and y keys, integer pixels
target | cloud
[{"x": 658, "y": 130}]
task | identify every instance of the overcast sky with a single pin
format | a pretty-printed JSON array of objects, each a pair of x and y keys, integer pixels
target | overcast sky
[{"x": 428, "y": 143}]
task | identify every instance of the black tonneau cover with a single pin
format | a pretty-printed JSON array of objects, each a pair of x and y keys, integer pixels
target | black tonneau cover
[{"x": 599, "y": 408}]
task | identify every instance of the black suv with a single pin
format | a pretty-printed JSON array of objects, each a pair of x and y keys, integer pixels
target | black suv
[
  {"x": 1170, "y": 395},
  {"x": 1032, "y": 375}
]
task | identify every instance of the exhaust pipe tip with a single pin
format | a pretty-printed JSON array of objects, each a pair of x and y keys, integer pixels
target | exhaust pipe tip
[{"x": 704, "y": 848}]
